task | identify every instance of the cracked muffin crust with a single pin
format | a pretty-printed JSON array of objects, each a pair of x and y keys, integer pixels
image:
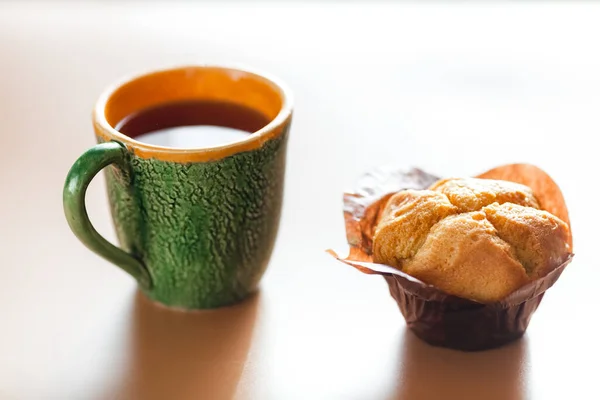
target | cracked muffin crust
[{"x": 479, "y": 239}]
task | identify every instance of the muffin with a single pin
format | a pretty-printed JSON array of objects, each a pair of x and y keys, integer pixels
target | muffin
[
  {"x": 479, "y": 239},
  {"x": 467, "y": 260}
]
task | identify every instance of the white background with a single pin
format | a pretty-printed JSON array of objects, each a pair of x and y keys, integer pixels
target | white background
[{"x": 453, "y": 88}]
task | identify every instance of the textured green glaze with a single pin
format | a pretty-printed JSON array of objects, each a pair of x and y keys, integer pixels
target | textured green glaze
[{"x": 204, "y": 230}]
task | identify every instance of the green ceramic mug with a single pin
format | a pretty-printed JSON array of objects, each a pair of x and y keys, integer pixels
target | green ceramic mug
[{"x": 196, "y": 226}]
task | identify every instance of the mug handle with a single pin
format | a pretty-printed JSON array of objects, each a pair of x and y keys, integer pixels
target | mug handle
[{"x": 79, "y": 177}]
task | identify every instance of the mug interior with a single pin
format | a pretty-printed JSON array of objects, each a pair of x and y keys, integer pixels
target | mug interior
[{"x": 194, "y": 83}]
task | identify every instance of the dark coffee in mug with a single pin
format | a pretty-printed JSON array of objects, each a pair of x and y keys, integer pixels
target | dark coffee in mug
[{"x": 192, "y": 123}]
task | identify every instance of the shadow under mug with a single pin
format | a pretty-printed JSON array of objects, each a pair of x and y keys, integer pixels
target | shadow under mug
[{"x": 196, "y": 225}]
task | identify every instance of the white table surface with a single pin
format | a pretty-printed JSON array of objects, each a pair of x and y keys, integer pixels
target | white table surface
[{"x": 453, "y": 88}]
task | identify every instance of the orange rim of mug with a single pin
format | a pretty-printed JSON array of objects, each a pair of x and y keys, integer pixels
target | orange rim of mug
[{"x": 242, "y": 86}]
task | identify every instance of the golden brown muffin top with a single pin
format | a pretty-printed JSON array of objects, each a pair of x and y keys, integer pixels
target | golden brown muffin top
[
  {"x": 474, "y": 238},
  {"x": 471, "y": 194}
]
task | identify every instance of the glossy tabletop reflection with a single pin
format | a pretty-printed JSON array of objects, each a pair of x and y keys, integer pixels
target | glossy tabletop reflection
[{"x": 455, "y": 89}]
